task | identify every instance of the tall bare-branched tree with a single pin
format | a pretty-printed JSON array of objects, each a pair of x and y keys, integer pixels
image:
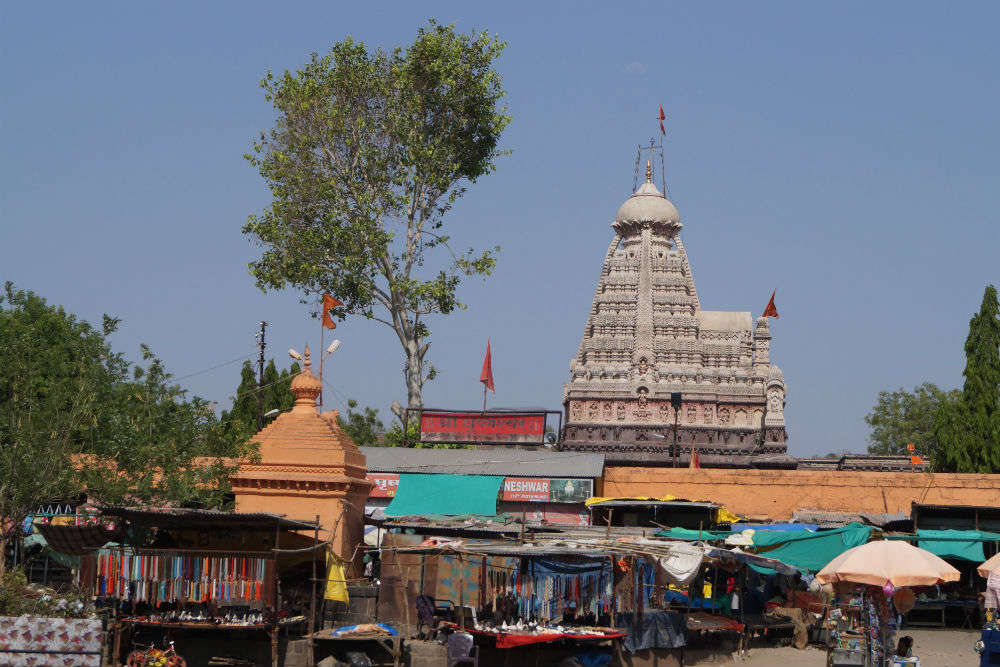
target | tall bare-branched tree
[{"x": 370, "y": 150}]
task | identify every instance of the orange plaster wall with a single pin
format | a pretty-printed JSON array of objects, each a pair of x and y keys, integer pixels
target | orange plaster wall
[
  {"x": 342, "y": 524},
  {"x": 776, "y": 494}
]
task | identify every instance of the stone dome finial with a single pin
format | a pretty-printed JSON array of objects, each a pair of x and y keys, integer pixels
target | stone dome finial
[
  {"x": 306, "y": 387},
  {"x": 648, "y": 206}
]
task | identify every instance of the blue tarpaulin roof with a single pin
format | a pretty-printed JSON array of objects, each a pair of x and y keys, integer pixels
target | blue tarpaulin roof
[{"x": 421, "y": 494}]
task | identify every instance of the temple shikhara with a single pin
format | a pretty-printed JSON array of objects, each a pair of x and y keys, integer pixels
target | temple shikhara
[{"x": 648, "y": 345}]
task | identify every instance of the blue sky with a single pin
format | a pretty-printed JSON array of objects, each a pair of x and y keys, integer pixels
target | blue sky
[{"x": 844, "y": 153}]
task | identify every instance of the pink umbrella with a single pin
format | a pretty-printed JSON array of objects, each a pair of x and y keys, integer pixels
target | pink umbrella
[
  {"x": 884, "y": 561},
  {"x": 987, "y": 566}
]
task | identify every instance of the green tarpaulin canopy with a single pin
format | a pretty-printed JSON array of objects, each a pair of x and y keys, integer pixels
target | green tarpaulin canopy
[
  {"x": 963, "y": 544},
  {"x": 694, "y": 535},
  {"x": 808, "y": 551},
  {"x": 420, "y": 494}
]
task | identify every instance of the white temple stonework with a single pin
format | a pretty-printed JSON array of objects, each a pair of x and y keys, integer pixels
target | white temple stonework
[{"x": 647, "y": 337}]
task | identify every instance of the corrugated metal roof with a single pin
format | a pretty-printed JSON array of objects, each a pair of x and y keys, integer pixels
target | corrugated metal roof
[
  {"x": 657, "y": 503},
  {"x": 179, "y": 518},
  {"x": 502, "y": 462}
]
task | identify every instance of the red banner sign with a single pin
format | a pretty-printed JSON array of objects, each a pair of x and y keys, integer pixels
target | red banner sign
[
  {"x": 386, "y": 484},
  {"x": 504, "y": 427},
  {"x": 526, "y": 489}
]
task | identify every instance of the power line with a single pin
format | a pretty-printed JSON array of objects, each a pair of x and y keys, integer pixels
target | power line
[{"x": 212, "y": 368}]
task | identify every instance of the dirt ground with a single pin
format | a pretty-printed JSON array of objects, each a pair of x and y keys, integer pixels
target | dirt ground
[{"x": 936, "y": 648}]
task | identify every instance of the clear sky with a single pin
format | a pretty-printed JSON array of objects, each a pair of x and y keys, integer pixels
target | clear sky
[{"x": 844, "y": 153}]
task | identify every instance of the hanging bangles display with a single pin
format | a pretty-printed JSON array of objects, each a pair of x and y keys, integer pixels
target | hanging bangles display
[{"x": 156, "y": 578}]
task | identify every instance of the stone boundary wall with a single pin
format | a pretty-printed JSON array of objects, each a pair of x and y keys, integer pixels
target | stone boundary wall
[
  {"x": 37, "y": 641},
  {"x": 777, "y": 494}
]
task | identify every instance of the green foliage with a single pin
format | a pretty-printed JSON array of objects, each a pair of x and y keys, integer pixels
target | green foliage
[
  {"x": 367, "y": 430},
  {"x": 364, "y": 427},
  {"x": 240, "y": 421},
  {"x": 19, "y": 598},
  {"x": 901, "y": 417},
  {"x": 56, "y": 381},
  {"x": 76, "y": 416},
  {"x": 370, "y": 151},
  {"x": 969, "y": 431}
]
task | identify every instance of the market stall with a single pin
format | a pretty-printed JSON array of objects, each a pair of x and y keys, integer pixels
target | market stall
[
  {"x": 205, "y": 578},
  {"x": 538, "y": 600},
  {"x": 863, "y": 624}
]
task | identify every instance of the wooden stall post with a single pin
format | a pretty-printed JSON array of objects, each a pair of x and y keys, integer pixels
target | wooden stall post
[
  {"x": 277, "y": 597},
  {"x": 312, "y": 600}
]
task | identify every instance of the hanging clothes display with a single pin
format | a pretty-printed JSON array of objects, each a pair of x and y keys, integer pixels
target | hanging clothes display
[
  {"x": 156, "y": 578},
  {"x": 549, "y": 588}
]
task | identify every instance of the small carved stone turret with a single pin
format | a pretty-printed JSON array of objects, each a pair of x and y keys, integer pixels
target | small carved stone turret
[{"x": 308, "y": 466}]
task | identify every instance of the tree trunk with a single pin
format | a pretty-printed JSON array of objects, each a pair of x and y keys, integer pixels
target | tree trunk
[
  {"x": 3, "y": 551},
  {"x": 414, "y": 375}
]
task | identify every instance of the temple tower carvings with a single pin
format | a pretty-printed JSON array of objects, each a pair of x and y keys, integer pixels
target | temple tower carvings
[{"x": 647, "y": 338}]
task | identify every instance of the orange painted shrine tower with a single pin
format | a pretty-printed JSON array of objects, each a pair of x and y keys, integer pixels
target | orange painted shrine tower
[{"x": 308, "y": 466}]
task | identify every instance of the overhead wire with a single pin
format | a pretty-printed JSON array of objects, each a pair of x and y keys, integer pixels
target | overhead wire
[{"x": 212, "y": 368}]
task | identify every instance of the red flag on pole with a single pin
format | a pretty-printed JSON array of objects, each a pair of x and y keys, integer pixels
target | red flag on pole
[
  {"x": 328, "y": 303},
  {"x": 662, "y": 117},
  {"x": 486, "y": 377},
  {"x": 771, "y": 310},
  {"x": 695, "y": 460}
]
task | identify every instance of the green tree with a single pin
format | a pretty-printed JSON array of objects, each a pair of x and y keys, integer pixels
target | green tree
[
  {"x": 240, "y": 421},
  {"x": 76, "y": 417},
  {"x": 370, "y": 151},
  {"x": 271, "y": 398},
  {"x": 155, "y": 444},
  {"x": 55, "y": 376},
  {"x": 364, "y": 426},
  {"x": 969, "y": 432},
  {"x": 901, "y": 417},
  {"x": 281, "y": 397}
]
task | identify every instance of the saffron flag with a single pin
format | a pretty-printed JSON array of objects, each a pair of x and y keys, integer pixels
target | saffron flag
[
  {"x": 695, "y": 460},
  {"x": 486, "y": 376},
  {"x": 328, "y": 303},
  {"x": 662, "y": 117},
  {"x": 771, "y": 310}
]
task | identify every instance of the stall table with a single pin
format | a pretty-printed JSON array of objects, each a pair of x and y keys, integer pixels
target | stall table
[
  {"x": 392, "y": 645},
  {"x": 967, "y": 607}
]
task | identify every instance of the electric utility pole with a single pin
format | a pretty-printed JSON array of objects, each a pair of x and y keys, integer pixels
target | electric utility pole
[{"x": 260, "y": 376}]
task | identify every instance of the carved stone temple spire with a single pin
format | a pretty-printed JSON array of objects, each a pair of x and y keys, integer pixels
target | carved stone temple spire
[{"x": 647, "y": 337}]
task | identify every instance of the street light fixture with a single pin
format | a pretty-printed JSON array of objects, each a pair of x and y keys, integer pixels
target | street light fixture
[{"x": 331, "y": 348}]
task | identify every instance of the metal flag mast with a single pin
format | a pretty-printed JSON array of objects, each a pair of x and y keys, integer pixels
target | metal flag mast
[
  {"x": 322, "y": 349},
  {"x": 652, "y": 149}
]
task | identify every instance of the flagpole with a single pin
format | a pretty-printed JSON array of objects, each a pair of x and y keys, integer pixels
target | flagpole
[
  {"x": 322, "y": 349},
  {"x": 484, "y": 398}
]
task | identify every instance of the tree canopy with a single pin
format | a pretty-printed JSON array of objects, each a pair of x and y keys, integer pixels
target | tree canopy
[
  {"x": 75, "y": 416},
  {"x": 901, "y": 417},
  {"x": 370, "y": 151},
  {"x": 240, "y": 421},
  {"x": 969, "y": 430}
]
